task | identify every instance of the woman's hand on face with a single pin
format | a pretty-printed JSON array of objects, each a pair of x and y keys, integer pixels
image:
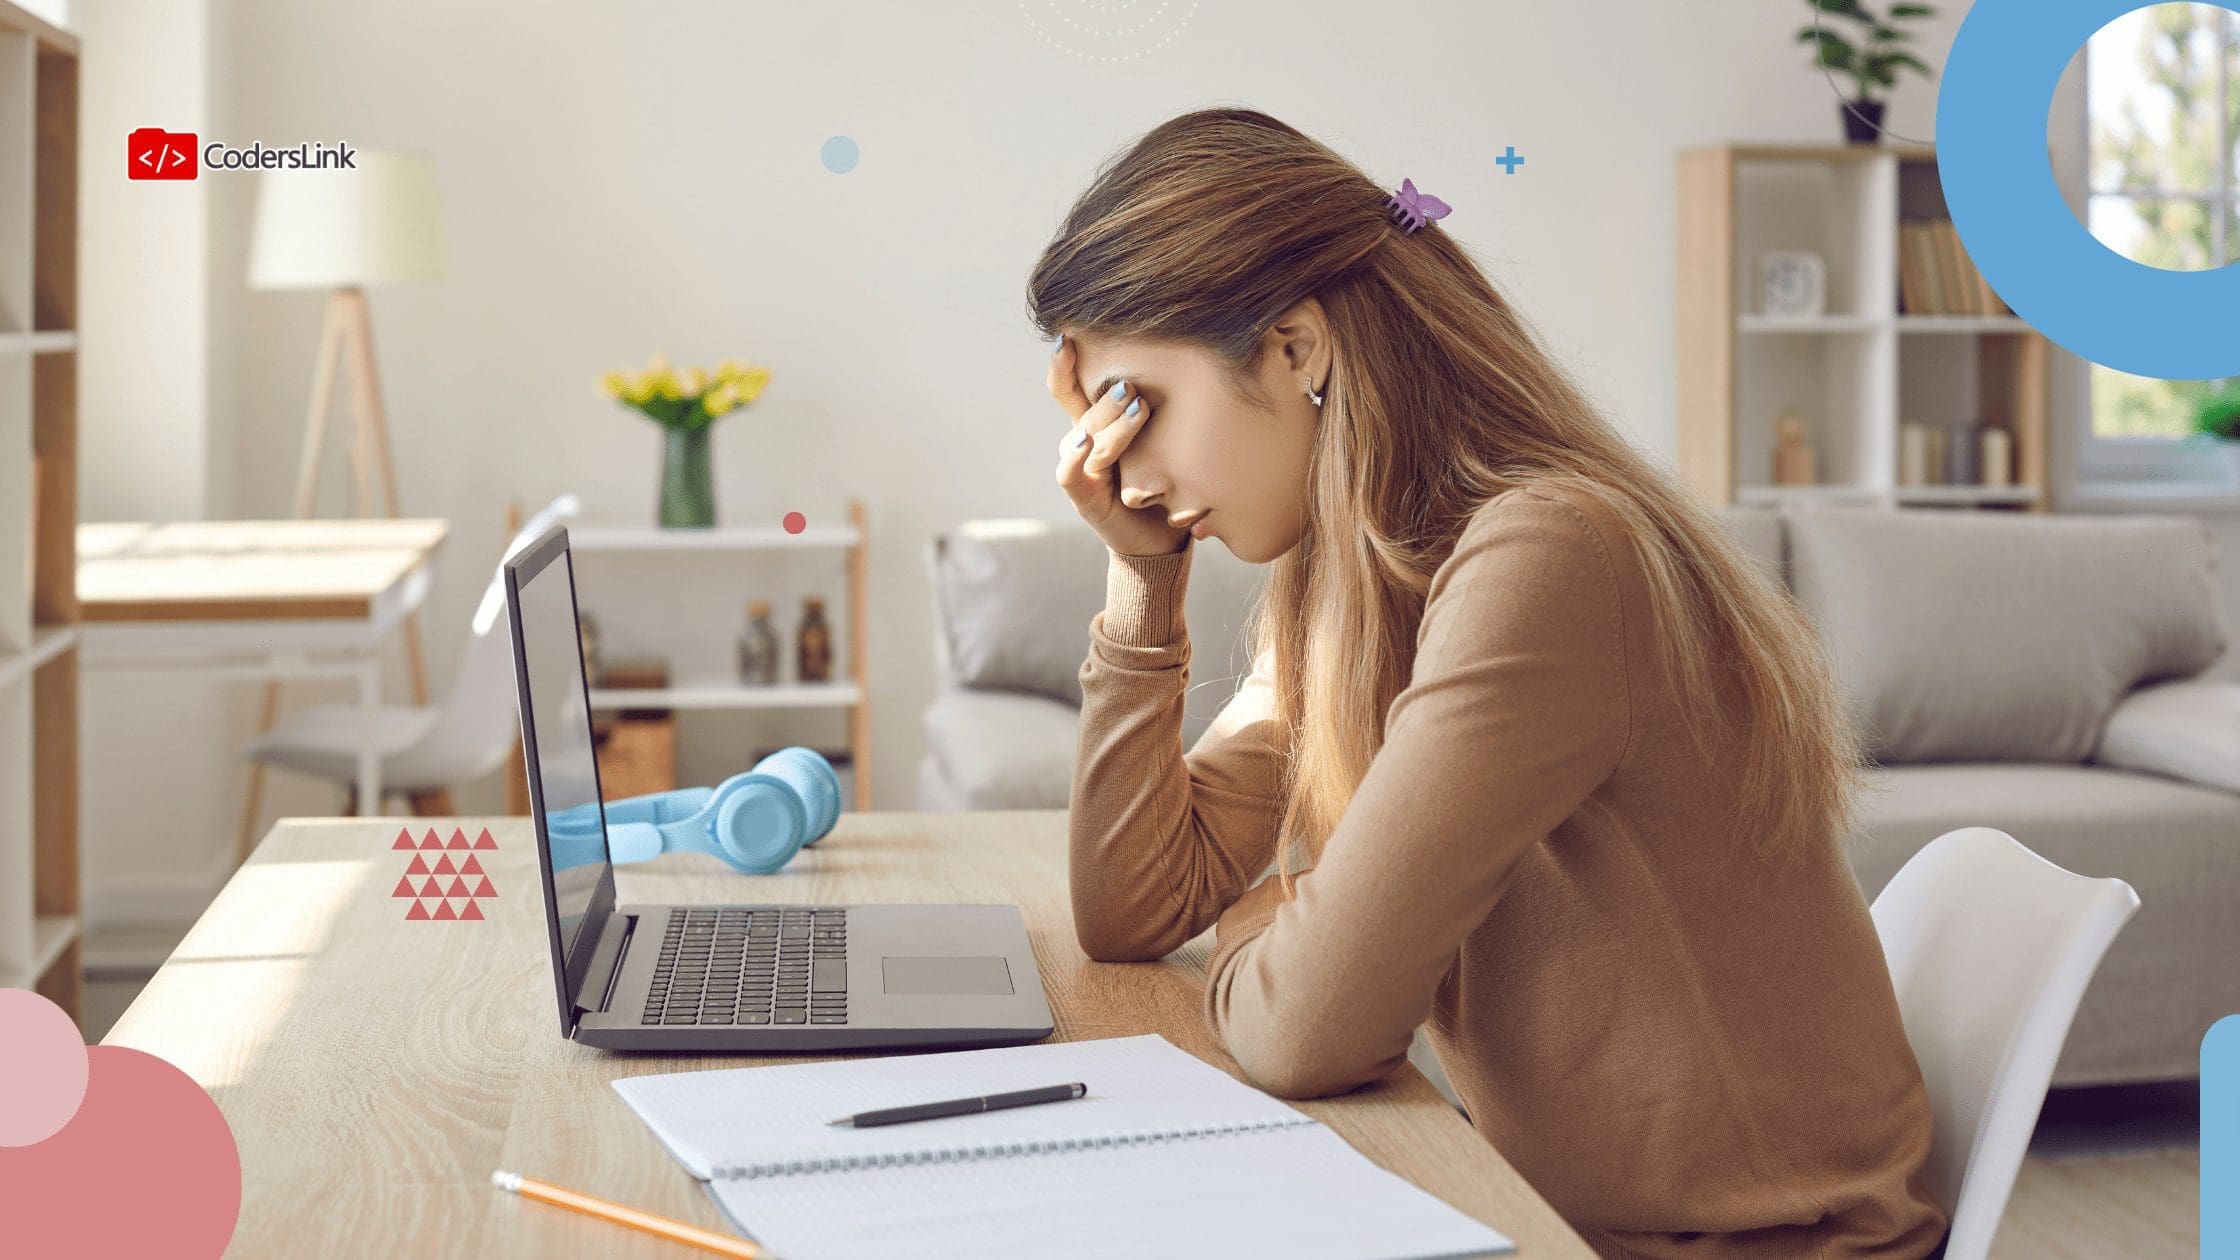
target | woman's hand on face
[{"x": 1087, "y": 454}]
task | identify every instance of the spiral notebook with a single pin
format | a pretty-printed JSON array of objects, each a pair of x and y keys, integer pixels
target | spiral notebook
[{"x": 1167, "y": 1155}]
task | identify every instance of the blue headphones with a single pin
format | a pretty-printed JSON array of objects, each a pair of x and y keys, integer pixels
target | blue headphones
[{"x": 756, "y": 821}]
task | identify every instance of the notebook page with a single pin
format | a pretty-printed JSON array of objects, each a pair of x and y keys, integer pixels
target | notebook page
[
  {"x": 742, "y": 1121},
  {"x": 1300, "y": 1194}
]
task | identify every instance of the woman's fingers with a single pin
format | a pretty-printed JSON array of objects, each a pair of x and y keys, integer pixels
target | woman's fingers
[{"x": 1113, "y": 436}]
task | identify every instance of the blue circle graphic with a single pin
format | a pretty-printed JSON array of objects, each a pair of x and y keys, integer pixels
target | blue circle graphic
[
  {"x": 839, "y": 154},
  {"x": 1998, "y": 181}
]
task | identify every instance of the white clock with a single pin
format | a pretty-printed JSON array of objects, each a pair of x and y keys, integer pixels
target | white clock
[{"x": 1792, "y": 282}]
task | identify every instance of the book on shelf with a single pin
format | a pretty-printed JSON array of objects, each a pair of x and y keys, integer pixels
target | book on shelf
[{"x": 1936, "y": 276}]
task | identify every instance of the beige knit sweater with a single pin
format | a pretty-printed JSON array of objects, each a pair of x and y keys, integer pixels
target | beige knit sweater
[{"x": 1688, "y": 1050}]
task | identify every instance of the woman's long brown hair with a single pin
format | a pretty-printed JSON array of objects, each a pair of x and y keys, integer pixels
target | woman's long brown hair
[{"x": 1217, "y": 222}]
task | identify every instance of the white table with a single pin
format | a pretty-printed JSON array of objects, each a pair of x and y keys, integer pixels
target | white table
[{"x": 261, "y": 599}]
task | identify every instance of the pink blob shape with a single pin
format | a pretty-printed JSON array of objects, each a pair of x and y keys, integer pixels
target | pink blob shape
[
  {"x": 147, "y": 1167},
  {"x": 42, "y": 1068},
  {"x": 795, "y": 522}
]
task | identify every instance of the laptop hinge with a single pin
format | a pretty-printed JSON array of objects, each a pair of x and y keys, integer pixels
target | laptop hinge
[{"x": 606, "y": 963}]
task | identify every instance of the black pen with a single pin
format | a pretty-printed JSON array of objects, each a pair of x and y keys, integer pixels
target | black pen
[{"x": 964, "y": 1106}]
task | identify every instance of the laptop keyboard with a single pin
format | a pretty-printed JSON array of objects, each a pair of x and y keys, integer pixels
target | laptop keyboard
[{"x": 729, "y": 965}]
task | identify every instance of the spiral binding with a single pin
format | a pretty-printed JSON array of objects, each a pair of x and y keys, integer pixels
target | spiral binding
[{"x": 1000, "y": 1150}]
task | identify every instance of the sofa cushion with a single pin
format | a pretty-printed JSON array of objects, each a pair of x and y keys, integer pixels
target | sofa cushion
[
  {"x": 1994, "y": 636},
  {"x": 2164, "y": 980},
  {"x": 1013, "y": 600},
  {"x": 1760, "y": 531}
]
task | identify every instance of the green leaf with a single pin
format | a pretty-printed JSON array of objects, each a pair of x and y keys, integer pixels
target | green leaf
[{"x": 1911, "y": 11}]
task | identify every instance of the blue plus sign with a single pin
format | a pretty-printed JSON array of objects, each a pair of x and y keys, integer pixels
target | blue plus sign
[{"x": 1509, "y": 162}]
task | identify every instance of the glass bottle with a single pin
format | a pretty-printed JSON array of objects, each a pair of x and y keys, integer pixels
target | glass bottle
[
  {"x": 758, "y": 646},
  {"x": 813, "y": 643}
]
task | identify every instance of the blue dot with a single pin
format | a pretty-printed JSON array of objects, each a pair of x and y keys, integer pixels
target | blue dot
[{"x": 839, "y": 155}]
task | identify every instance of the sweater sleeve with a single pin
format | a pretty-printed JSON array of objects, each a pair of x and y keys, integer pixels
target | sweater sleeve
[
  {"x": 1160, "y": 840},
  {"x": 1516, "y": 709}
]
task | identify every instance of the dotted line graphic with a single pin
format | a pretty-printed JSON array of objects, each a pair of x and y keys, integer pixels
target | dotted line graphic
[{"x": 1188, "y": 10}]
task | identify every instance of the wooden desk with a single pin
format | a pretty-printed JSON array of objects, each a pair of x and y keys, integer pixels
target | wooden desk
[
  {"x": 256, "y": 598},
  {"x": 375, "y": 1070}
]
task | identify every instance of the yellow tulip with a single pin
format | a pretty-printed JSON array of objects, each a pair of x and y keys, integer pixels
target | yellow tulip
[
  {"x": 638, "y": 388},
  {"x": 611, "y": 384},
  {"x": 665, "y": 384},
  {"x": 720, "y": 399},
  {"x": 750, "y": 384},
  {"x": 730, "y": 368},
  {"x": 695, "y": 382}
]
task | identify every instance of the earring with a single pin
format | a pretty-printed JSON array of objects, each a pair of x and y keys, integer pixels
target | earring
[{"x": 1313, "y": 395}]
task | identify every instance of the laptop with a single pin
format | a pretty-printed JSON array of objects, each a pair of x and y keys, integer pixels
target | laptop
[{"x": 756, "y": 976}]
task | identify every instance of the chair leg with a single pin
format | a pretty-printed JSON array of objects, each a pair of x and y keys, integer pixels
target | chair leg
[{"x": 435, "y": 803}]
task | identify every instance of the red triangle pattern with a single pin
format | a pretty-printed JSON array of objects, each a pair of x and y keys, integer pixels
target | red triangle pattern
[
  {"x": 431, "y": 889},
  {"x": 404, "y": 888},
  {"x": 419, "y": 866},
  {"x": 444, "y": 866},
  {"x": 484, "y": 889},
  {"x": 470, "y": 866},
  {"x": 484, "y": 841},
  {"x": 458, "y": 839},
  {"x": 471, "y": 912},
  {"x": 418, "y": 911},
  {"x": 443, "y": 911},
  {"x": 404, "y": 840},
  {"x": 458, "y": 888},
  {"x": 429, "y": 841}
]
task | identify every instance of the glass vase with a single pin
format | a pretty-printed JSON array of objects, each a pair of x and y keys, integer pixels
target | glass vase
[{"x": 688, "y": 492}]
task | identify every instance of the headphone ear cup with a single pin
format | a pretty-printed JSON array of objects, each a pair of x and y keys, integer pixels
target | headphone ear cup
[{"x": 757, "y": 823}]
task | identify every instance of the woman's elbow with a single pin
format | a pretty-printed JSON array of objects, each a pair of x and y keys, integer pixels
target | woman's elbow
[
  {"x": 1115, "y": 938},
  {"x": 1307, "y": 1063}
]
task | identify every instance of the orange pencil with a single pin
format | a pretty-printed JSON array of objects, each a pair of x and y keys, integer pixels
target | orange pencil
[{"x": 560, "y": 1196}]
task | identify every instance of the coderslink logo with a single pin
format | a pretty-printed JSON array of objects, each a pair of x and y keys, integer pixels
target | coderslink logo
[{"x": 153, "y": 153}]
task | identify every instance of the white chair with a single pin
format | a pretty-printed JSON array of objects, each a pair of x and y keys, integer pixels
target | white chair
[
  {"x": 424, "y": 750},
  {"x": 1990, "y": 946}
]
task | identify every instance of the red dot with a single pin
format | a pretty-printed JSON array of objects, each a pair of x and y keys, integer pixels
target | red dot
[{"x": 796, "y": 522}]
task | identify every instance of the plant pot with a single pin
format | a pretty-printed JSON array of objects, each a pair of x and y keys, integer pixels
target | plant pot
[
  {"x": 688, "y": 492},
  {"x": 1862, "y": 121}
]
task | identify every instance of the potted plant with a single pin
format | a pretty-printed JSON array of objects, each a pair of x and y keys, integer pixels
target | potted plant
[
  {"x": 685, "y": 407},
  {"x": 1873, "y": 62},
  {"x": 2218, "y": 417}
]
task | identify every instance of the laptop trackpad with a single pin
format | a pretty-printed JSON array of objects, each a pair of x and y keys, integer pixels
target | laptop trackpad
[{"x": 965, "y": 975}]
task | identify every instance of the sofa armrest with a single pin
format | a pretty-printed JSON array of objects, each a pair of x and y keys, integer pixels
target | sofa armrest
[
  {"x": 2188, "y": 729},
  {"x": 994, "y": 749}
]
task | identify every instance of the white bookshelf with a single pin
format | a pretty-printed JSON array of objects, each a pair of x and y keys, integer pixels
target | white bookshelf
[
  {"x": 693, "y": 644},
  {"x": 1855, "y": 372},
  {"x": 39, "y": 875}
]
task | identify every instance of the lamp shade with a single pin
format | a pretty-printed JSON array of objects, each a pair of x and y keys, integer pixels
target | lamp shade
[{"x": 325, "y": 228}]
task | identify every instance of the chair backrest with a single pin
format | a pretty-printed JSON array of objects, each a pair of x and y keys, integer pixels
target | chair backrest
[
  {"x": 1990, "y": 946},
  {"x": 476, "y": 729}
]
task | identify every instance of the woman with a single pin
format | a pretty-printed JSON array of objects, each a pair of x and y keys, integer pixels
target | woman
[{"x": 1569, "y": 771}]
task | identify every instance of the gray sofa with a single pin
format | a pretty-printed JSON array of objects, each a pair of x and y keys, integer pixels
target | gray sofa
[{"x": 2039, "y": 674}]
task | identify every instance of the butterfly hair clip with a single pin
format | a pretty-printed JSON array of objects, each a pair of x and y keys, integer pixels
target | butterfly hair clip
[{"x": 1411, "y": 209}]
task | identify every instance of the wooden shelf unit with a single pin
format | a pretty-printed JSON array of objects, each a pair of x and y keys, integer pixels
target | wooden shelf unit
[
  {"x": 41, "y": 913},
  {"x": 1854, "y": 372}
]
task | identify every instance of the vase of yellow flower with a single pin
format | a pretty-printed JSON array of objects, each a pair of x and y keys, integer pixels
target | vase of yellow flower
[{"x": 685, "y": 407}]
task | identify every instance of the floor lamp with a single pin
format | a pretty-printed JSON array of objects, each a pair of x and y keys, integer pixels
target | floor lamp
[{"x": 341, "y": 230}]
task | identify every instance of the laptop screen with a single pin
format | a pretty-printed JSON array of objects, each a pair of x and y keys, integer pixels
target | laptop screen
[{"x": 556, "y": 732}]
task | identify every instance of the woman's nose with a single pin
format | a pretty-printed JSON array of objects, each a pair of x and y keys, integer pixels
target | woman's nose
[{"x": 1136, "y": 496}]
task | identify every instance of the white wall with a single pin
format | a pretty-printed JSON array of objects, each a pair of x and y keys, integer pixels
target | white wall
[{"x": 625, "y": 178}]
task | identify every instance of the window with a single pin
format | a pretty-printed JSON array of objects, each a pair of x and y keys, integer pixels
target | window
[{"x": 2162, "y": 92}]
